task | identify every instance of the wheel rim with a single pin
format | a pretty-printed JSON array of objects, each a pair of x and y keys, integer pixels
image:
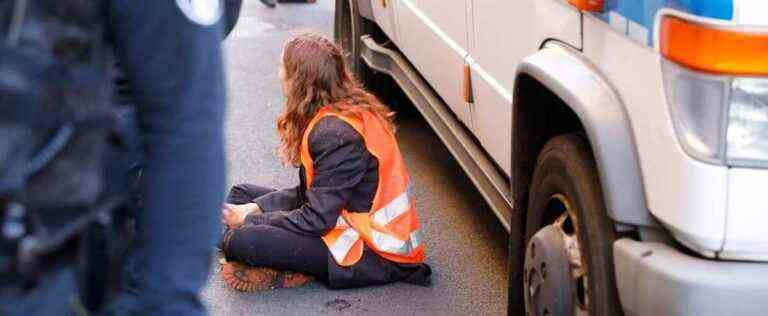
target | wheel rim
[{"x": 556, "y": 279}]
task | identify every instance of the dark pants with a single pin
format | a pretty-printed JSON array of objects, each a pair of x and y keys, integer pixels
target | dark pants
[{"x": 273, "y": 247}]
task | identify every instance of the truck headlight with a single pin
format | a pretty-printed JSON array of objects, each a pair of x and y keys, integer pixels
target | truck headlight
[
  {"x": 747, "y": 142},
  {"x": 716, "y": 79}
]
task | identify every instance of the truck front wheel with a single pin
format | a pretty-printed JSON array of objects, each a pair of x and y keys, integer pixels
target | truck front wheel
[
  {"x": 568, "y": 265},
  {"x": 349, "y": 27}
]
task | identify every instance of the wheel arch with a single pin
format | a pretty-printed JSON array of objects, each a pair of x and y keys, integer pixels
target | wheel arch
[{"x": 575, "y": 90}]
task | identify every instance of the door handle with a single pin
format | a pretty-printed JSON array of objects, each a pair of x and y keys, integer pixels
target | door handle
[{"x": 588, "y": 5}]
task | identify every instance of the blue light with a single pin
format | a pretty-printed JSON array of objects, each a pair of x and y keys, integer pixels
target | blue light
[{"x": 718, "y": 9}]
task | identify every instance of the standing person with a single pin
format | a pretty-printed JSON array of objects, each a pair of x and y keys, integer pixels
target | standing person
[
  {"x": 351, "y": 222},
  {"x": 56, "y": 58},
  {"x": 170, "y": 55}
]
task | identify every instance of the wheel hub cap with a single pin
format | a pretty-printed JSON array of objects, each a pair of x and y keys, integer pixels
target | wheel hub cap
[{"x": 554, "y": 275}]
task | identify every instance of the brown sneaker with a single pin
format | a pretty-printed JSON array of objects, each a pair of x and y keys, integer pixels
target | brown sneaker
[
  {"x": 252, "y": 279},
  {"x": 294, "y": 279}
]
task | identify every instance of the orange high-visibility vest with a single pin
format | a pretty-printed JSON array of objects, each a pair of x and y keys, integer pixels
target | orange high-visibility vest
[{"x": 391, "y": 227}]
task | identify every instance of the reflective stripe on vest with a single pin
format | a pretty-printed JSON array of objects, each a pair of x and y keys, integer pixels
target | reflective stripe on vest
[
  {"x": 382, "y": 241},
  {"x": 394, "y": 209},
  {"x": 344, "y": 243},
  {"x": 392, "y": 245},
  {"x": 391, "y": 227}
]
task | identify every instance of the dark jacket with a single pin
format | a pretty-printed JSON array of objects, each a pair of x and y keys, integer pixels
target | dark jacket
[{"x": 346, "y": 177}]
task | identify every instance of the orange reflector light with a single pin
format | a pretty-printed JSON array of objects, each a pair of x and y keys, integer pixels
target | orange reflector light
[
  {"x": 712, "y": 49},
  {"x": 588, "y": 5}
]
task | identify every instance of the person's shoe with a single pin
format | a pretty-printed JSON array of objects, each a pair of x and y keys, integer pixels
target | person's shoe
[
  {"x": 269, "y": 3},
  {"x": 252, "y": 279}
]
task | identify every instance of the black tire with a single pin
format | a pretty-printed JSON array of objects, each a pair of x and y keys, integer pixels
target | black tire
[
  {"x": 567, "y": 170},
  {"x": 349, "y": 26},
  {"x": 232, "y": 15}
]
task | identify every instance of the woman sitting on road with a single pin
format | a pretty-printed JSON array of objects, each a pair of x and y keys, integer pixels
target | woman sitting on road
[{"x": 351, "y": 221}]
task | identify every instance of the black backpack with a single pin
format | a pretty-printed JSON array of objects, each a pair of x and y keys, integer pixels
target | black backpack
[{"x": 60, "y": 132}]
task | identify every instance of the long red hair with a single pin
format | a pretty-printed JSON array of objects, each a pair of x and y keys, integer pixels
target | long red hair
[{"x": 317, "y": 76}]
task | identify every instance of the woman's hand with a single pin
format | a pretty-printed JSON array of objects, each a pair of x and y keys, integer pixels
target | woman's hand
[{"x": 234, "y": 215}]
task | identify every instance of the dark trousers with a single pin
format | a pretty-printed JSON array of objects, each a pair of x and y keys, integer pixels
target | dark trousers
[{"x": 273, "y": 247}]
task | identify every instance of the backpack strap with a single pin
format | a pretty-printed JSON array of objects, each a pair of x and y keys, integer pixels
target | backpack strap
[{"x": 57, "y": 143}]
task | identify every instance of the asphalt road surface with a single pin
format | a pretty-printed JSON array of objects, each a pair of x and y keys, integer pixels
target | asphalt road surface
[{"x": 466, "y": 246}]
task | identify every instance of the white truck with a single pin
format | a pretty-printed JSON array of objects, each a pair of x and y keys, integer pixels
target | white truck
[{"x": 623, "y": 144}]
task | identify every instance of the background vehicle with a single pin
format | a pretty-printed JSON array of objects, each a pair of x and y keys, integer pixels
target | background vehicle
[{"x": 623, "y": 145}]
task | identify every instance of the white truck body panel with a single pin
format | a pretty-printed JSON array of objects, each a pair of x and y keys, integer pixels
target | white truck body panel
[
  {"x": 385, "y": 18},
  {"x": 433, "y": 34},
  {"x": 553, "y": 19},
  {"x": 712, "y": 209},
  {"x": 709, "y": 208},
  {"x": 498, "y": 46},
  {"x": 495, "y": 53},
  {"x": 746, "y": 237},
  {"x": 687, "y": 196}
]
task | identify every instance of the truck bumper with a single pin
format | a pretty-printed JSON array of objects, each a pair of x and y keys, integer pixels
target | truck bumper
[{"x": 655, "y": 279}]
